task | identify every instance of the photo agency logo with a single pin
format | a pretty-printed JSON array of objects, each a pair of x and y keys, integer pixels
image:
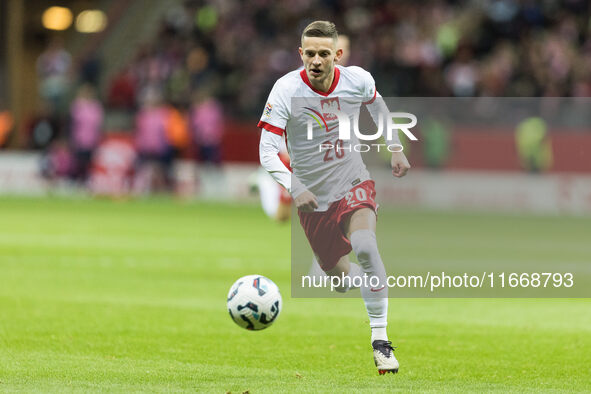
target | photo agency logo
[{"x": 392, "y": 122}]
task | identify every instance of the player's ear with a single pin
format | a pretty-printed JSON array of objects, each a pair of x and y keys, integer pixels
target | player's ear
[
  {"x": 338, "y": 55},
  {"x": 301, "y": 51}
]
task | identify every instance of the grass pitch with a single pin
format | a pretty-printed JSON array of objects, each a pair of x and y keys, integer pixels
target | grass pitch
[{"x": 130, "y": 297}]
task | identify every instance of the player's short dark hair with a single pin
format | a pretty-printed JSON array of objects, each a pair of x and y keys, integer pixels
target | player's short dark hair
[{"x": 321, "y": 29}]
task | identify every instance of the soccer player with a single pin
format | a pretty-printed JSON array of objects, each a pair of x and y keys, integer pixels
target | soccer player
[
  {"x": 275, "y": 200},
  {"x": 344, "y": 43},
  {"x": 332, "y": 190}
]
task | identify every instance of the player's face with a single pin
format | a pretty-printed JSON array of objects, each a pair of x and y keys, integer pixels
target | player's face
[{"x": 319, "y": 55}]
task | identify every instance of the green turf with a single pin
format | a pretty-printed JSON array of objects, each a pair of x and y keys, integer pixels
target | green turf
[{"x": 130, "y": 297}]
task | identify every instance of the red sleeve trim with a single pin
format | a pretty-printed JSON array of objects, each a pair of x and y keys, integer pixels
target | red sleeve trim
[
  {"x": 271, "y": 128},
  {"x": 375, "y": 94}
]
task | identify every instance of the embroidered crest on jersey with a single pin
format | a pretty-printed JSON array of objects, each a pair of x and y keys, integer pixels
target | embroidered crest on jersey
[
  {"x": 328, "y": 106},
  {"x": 268, "y": 109}
]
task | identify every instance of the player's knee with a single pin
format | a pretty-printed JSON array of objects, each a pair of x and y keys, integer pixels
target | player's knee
[
  {"x": 364, "y": 244},
  {"x": 341, "y": 283}
]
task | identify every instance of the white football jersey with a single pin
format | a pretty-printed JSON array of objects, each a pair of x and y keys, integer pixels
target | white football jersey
[{"x": 325, "y": 165}]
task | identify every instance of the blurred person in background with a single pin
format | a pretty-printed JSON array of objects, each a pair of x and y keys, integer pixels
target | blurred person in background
[
  {"x": 122, "y": 95},
  {"x": 436, "y": 143},
  {"x": 57, "y": 162},
  {"x": 177, "y": 129},
  {"x": 533, "y": 145},
  {"x": 54, "y": 69},
  {"x": 462, "y": 75},
  {"x": 90, "y": 69},
  {"x": 344, "y": 44},
  {"x": 86, "y": 123},
  {"x": 6, "y": 123},
  {"x": 153, "y": 146},
  {"x": 41, "y": 128},
  {"x": 275, "y": 200},
  {"x": 206, "y": 122},
  {"x": 207, "y": 126}
]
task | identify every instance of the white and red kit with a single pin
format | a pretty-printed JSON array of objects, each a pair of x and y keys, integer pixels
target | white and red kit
[
  {"x": 331, "y": 174},
  {"x": 272, "y": 194}
]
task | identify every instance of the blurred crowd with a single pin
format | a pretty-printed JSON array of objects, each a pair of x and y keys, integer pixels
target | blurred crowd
[
  {"x": 430, "y": 48},
  {"x": 216, "y": 59}
]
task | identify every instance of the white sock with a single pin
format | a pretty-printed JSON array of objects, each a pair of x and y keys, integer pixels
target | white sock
[
  {"x": 379, "y": 333},
  {"x": 365, "y": 246},
  {"x": 377, "y": 311}
]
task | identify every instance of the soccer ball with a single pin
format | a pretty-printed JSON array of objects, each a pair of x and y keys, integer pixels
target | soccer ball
[{"x": 254, "y": 302}]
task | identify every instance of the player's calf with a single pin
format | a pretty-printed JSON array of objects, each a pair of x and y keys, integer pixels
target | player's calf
[{"x": 345, "y": 275}]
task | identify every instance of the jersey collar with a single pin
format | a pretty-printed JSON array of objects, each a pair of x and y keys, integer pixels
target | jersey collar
[{"x": 335, "y": 81}]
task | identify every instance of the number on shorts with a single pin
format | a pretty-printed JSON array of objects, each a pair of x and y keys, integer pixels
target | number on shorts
[
  {"x": 356, "y": 197},
  {"x": 360, "y": 194}
]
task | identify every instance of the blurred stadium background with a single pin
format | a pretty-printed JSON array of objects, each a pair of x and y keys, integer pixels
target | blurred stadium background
[{"x": 129, "y": 97}]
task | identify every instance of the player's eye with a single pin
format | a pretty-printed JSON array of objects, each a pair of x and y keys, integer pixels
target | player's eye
[{"x": 310, "y": 54}]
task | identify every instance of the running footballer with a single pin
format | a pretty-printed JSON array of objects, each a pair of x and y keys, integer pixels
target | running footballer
[{"x": 332, "y": 189}]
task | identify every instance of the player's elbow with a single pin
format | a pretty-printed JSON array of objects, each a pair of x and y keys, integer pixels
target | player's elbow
[{"x": 265, "y": 158}]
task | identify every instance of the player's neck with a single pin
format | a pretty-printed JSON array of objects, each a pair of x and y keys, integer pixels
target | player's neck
[{"x": 325, "y": 85}]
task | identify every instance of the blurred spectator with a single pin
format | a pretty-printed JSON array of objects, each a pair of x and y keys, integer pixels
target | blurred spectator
[
  {"x": 344, "y": 43},
  {"x": 6, "y": 123},
  {"x": 435, "y": 136},
  {"x": 151, "y": 139},
  {"x": 533, "y": 145},
  {"x": 122, "y": 91},
  {"x": 42, "y": 128},
  {"x": 462, "y": 74},
  {"x": 177, "y": 129},
  {"x": 90, "y": 69},
  {"x": 53, "y": 69},
  {"x": 152, "y": 144},
  {"x": 86, "y": 113},
  {"x": 57, "y": 162},
  {"x": 207, "y": 125}
]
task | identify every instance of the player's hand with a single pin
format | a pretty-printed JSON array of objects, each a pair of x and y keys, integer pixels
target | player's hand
[
  {"x": 400, "y": 164},
  {"x": 306, "y": 202}
]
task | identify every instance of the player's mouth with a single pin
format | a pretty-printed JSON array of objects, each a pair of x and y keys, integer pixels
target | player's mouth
[{"x": 315, "y": 72}]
